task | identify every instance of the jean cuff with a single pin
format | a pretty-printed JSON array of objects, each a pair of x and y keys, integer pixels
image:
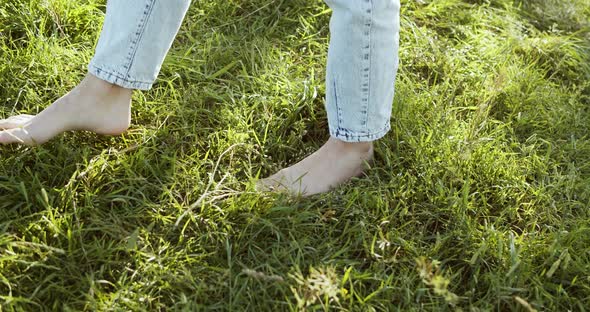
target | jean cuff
[
  {"x": 352, "y": 136},
  {"x": 117, "y": 78}
]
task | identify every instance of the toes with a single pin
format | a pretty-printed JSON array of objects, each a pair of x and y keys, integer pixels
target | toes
[
  {"x": 15, "y": 121},
  {"x": 274, "y": 183},
  {"x": 265, "y": 185},
  {"x": 16, "y": 135},
  {"x": 280, "y": 183}
]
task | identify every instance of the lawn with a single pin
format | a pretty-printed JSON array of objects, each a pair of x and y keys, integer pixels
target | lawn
[{"x": 479, "y": 198}]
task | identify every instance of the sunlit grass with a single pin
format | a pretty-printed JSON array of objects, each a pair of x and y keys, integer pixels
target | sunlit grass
[{"x": 478, "y": 199}]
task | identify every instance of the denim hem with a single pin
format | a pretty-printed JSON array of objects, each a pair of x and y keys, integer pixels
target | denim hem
[
  {"x": 117, "y": 78},
  {"x": 352, "y": 136}
]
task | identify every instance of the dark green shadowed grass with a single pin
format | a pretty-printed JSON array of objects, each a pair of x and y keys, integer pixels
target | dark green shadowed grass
[{"x": 478, "y": 199}]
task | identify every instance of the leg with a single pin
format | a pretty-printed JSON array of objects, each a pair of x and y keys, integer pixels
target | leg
[
  {"x": 133, "y": 43},
  {"x": 362, "y": 64}
]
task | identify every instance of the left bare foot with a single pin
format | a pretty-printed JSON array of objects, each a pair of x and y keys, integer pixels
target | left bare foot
[
  {"x": 94, "y": 105},
  {"x": 334, "y": 163}
]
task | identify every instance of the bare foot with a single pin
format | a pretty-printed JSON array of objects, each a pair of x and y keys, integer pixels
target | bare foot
[
  {"x": 94, "y": 105},
  {"x": 334, "y": 163}
]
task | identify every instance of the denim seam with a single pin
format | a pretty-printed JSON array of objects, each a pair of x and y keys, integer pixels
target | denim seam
[
  {"x": 370, "y": 61},
  {"x": 338, "y": 109},
  {"x": 366, "y": 60},
  {"x": 139, "y": 35}
]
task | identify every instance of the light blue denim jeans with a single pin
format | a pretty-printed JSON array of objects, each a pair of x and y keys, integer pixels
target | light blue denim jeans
[{"x": 361, "y": 69}]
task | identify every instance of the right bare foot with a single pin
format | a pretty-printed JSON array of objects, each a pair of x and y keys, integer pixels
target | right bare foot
[
  {"x": 94, "y": 105},
  {"x": 333, "y": 164}
]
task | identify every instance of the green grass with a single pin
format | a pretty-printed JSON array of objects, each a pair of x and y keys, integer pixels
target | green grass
[{"x": 479, "y": 199}]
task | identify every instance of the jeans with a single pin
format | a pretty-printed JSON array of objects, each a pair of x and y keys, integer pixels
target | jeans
[{"x": 361, "y": 69}]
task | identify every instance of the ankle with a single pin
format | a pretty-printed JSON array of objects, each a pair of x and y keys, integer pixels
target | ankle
[
  {"x": 358, "y": 147},
  {"x": 96, "y": 87}
]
